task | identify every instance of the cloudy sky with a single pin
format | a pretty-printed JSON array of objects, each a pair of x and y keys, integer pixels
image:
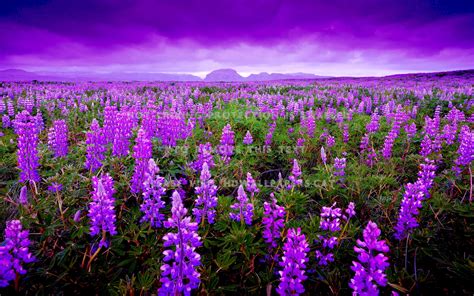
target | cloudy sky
[{"x": 335, "y": 37}]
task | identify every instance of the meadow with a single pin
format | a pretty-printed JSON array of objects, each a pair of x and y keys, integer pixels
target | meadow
[{"x": 311, "y": 187}]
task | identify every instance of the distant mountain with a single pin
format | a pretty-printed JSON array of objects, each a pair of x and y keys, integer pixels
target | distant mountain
[
  {"x": 224, "y": 75},
  {"x": 21, "y": 75},
  {"x": 232, "y": 75},
  {"x": 264, "y": 76}
]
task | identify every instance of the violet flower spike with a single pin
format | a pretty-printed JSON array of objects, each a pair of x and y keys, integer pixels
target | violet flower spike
[
  {"x": 179, "y": 273},
  {"x": 293, "y": 263},
  {"x": 370, "y": 267},
  {"x": 153, "y": 190},
  {"x": 206, "y": 202},
  {"x": 243, "y": 209}
]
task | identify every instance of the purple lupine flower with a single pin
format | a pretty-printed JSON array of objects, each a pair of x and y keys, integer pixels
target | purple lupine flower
[
  {"x": 23, "y": 199},
  {"x": 172, "y": 126},
  {"x": 150, "y": 122},
  {"x": 426, "y": 146},
  {"x": 110, "y": 123},
  {"x": 388, "y": 144},
  {"x": 28, "y": 160},
  {"x": 243, "y": 208},
  {"x": 350, "y": 211},
  {"x": 410, "y": 129},
  {"x": 142, "y": 152},
  {"x": 179, "y": 274},
  {"x": 339, "y": 168},
  {"x": 370, "y": 269},
  {"x": 409, "y": 210},
  {"x": 96, "y": 146},
  {"x": 364, "y": 143},
  {"x": 295, "y": 174},
  {"x": 204, "y": 156},
  {"x": 465, "y": 150},
  {"x": 153, "y": 190},
  {"x": 449, "y": 133},
  {"x": 57, "y": 138},
  {"x": 55, "y": 187},
  {"x": 412, "y": 200},
  {"x": 206, "y": 201},
  {"x": 122, "y": 134},
  {"x": 6, "y": 122},
  {"x": 226, "y": 147},
  {"x": 330, "y": 218},
  {"x": 101, "y": 208},
  {"x": 14, "y": 252},
  {"x": 293, "y": 263},
  {"x": 77, "y": 216},
  {"x": 308, "y": 123},
  {"x": 251, "y": 185},
  {"x": 39, "y": 122},
  {"x": 330, "y": 141},
  {"x": 273, "y": 222},
  {"x": 373, "y": 125},
  {"x": 248, "y": 140},
  {"x": 330, "y": 222},
  {"x": 345, "y": 133},
  {"x": 300, "y": 142},
  {"x": 324, "y": 157}
]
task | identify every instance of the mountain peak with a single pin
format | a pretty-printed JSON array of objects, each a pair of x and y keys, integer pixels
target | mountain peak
[{"x": 224, "y": 75}]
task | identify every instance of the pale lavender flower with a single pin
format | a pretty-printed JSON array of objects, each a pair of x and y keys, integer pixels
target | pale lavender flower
[
  {"x": 206, "y": 202},
  {"x": 101, "y": 208},
  {"x": 243, "y": 208},
  {"x": 142, "y": 153},
  {"x": 248, "y": 140},
  {"x": 226, "y": 147},
  {"x": 294, "y": 176}
]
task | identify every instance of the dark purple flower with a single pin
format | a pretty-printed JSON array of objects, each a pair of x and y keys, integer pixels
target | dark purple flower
[
  {"x": 412, "y": 200},
  {"x": 370, "y": 267},
  {"x": 179, "y": 275},
  {"x": 14, "y": 252},
  {"x": 273, "y": 222},
  {"x": 28, "y": 160},
  {"x": 153, "y": 190},
  {"x": 293, "y": 263},
  {"x": 339, "y": 168},
  {"x": 204, "y": 156}
]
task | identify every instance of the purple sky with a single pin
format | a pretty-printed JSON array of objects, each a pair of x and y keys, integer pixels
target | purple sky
[{"x": 332, "y": 37}]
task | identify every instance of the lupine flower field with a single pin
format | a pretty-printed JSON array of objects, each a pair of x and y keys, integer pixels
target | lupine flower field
[{"x": 293, "y": 187}]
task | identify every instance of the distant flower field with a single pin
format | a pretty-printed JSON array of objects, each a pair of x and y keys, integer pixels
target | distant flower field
[{"x": 324, "y": 187}]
